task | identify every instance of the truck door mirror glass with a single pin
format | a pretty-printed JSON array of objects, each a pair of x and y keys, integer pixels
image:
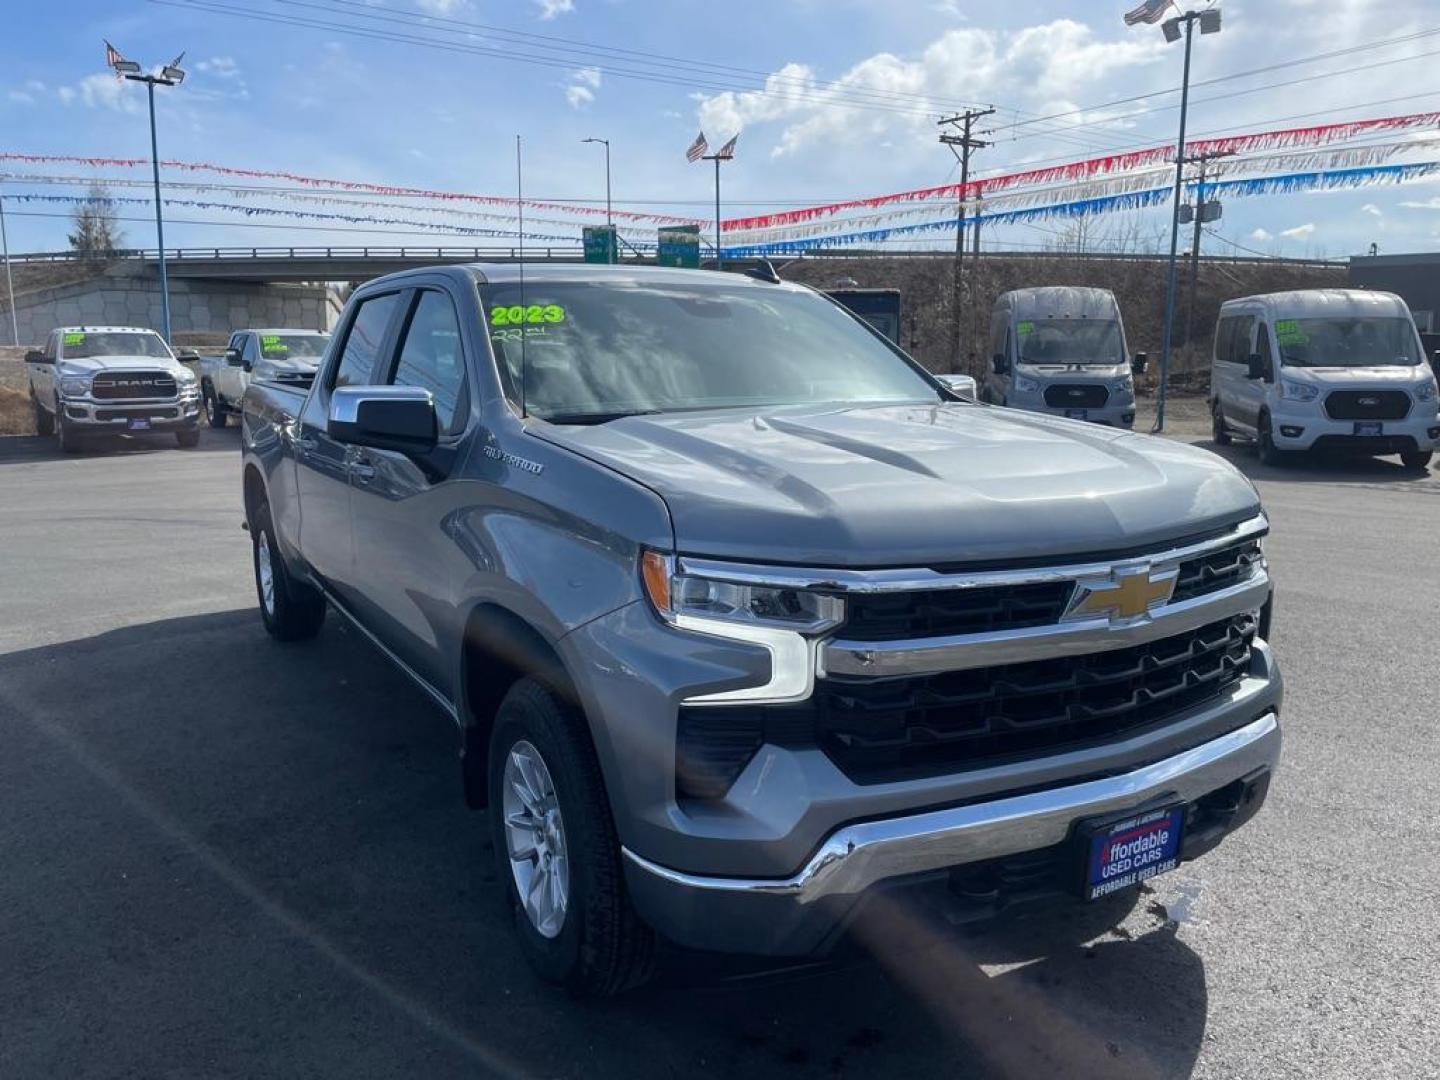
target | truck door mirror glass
[
  {"x": 1140, "y": 364},
  {"x": 1255, "y": 366},
  {"x": 999, "y": 363},
  {"x": 399, "y": 418},
  {"x": 187, "y": 356},
  {"x": 35, "y": 356},
  {"x": 232, "y": 357}
]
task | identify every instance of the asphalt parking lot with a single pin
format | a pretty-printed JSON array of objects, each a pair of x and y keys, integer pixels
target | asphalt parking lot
[{"x": 223, "y": 857}]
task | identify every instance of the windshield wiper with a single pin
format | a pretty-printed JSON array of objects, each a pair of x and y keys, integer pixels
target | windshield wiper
[{"x": 595, "y": 417}]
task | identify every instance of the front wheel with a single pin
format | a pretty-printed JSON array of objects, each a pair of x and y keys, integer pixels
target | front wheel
[
  {"x": 1265, "y": 447},
  {"x": 44, "y": 418},
  {"x": 556, "y": 852},
  {"x": 291, "y": 610},
  {"x": 1417, "y": 459},
  {"x": 69, "y": 438}
]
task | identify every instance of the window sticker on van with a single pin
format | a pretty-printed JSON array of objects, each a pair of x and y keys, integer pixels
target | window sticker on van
[
  {"x": 75, "y": 339},
  {"x": 1288, "y": 332},
  {"x": 1025, "y": 326}
]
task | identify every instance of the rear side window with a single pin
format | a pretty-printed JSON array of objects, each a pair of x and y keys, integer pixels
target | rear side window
[
  {"x": 1240, "y": 342},
  {"x": 431, "y": 358},
  {"x": 364, "y": 339},
  {"x": 1224, "y": 330}
]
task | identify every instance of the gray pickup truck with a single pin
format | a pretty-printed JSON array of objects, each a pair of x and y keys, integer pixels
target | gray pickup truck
[{"x": 750, "y": 628}]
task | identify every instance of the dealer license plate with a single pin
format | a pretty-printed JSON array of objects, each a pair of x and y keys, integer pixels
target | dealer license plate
[
  {"x": 136, "y": 424},
  {"x": 1369, "y": 427},
  {"x": 1127, "y": 852},
  {"x": 1077, "y": 414}
]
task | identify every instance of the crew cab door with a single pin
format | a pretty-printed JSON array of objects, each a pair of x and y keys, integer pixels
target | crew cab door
[
  {"x": 228, "y": 378},
  {"x": 42, "y": 376},
  {"x": 322, "y": 463},
  {"x": 406, "y": 561}
]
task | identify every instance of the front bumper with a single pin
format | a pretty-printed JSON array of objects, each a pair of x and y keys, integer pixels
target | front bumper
[
  {"x": 1305, "y": 426},
  {"x": 166, "y": 414},
  {"x": 801, "y": 913}
]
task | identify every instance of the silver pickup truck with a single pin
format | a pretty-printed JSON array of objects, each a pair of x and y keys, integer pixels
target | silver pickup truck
[
  {"x": 287, "y": 356},
  {"x": 749, "y": 627},
  {"x": 98, "y": 380}
]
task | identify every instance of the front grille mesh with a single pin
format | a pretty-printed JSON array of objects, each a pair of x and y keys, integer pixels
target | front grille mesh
[
  {"x": 1076, "y": 396},
  {"x": 1367, "y": 405},
  {"x": 132, "y": 385}
]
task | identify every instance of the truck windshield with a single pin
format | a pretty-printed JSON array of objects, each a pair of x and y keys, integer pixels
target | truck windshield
[
  {"x": 594, "y": 352},
  {"x": 81, "y": 345},
  {"x": 1346, "y": 342},
  {"x": 1070, "y": 341},
  {"x": 293, "y": 346}
]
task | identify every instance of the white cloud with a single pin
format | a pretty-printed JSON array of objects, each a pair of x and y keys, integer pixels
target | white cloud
[
  {"x": 222, "y": 67},
  {"x": 100, "y": 92},
  {"x": 549, "y": 9},
  {"x": 1042, "y": 68},
  {"x": 442, "y": 7},
  {"x": 1371, "y": 209},
  {"x": 1299, "y": 232},
  {"x": 583, "y": 84},
  {"x": 1261, "y": 235},
  {"x": 21, "y": 97},
  {"x": 1432, "y": 203}
]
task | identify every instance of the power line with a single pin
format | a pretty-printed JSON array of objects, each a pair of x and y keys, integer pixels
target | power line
[{"x": 967, "y": 143}]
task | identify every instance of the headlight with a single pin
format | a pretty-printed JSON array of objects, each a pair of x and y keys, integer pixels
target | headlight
[
  {"x": 1425, "y": 391},
  {"x": 1123, "y": 386},
  {"x": 75, "y": 385},
  {"x": 186, "y": 377},
  {"x": 784, "y": 620},
  {"x": 1294, "y": 391},
  {"x": 1026, "y": 385}
]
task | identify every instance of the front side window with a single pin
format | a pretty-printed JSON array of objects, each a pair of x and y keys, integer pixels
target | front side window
[
  {"x": 591, "y": 352},
  {"x": 248, "y": 352},
  {"x": 1070, "y": 341},
  {"x": 83, "y": 344},
  {"x": 363, "y": 341},
  {"x": 1336, "y": 341},
  {"x": 431, "y": 358}
]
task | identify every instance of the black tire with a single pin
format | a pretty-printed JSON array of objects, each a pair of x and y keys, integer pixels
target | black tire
[
  {"x": 1417, "y": 459},
  {"x": 69, "y": 439},
  {"x": 215, "y": 413},
  {"x": 44, "y": 418},
  {"x": 188, "y": 438},
  {"x": 296, "y": 609},
  {"x": 602, "y": 947},
  {"x": 1266, "y": 449},
  {"x": 1219, "y": 433}
]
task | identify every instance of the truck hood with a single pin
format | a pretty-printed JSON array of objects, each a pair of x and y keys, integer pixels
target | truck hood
[
  {"x": 90, "y": 364},
  {"x": 1356, "y": 378},
  {"x": 919, "y": 485}
]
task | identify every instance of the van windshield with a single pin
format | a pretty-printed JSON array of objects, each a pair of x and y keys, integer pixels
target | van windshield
[
  {"x": 1070, "y": 341},
  {"x": 594, "y": 352},
  {"x": 1346, "y": 342}
]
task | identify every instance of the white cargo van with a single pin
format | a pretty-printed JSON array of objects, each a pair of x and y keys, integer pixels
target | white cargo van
[
  {"x": 1061, "y": 349},
  {"x": 1331, "y": 369}
]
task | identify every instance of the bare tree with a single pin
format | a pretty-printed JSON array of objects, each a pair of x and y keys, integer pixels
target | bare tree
[{"x": 97, "y": 234}]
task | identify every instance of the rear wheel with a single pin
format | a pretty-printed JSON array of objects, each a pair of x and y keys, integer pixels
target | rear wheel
[
  {"x": 1417, "y": 459},
  {"x": 291, "y": 610},
  {"x": 1219, "y": 433},
  {"x": 44, "y": 418},
  {"x": 556, "y": 852}
]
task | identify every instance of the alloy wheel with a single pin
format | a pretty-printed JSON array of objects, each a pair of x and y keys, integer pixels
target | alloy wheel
[{"x": 535, "y": 839}]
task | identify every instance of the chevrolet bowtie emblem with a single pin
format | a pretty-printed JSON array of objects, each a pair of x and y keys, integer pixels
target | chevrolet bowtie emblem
[{"x": 1127, "y": 594}]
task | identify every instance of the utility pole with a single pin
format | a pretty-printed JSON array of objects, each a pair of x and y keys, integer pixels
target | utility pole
[
  {"x": 961, "y": 145},
  {"x": 9, "y": 281},
  {"x": 1203, "y": 160}
]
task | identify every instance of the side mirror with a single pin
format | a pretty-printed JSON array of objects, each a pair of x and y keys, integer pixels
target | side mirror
[
  {"x": 1140, "y": 364},
  {"x": 1435, "y": 363},
  {"x": 963, "y": 385},
  {"x": 232, "y": 357},
  {"x": 35, "y": 356},
  {"x": 1000, "y": 365},
  {"x": 400, "y": 418},
  {"x": 187, "y": 356},
  {"x": 1255, "y": 366}
]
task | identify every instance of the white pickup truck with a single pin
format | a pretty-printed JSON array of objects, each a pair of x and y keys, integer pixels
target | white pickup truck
[
  {"x": 286, "y": 356},
  {"x": 94, "y": 380}
]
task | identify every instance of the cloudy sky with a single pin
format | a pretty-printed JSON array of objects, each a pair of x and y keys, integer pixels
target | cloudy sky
[{"x": 833, "y": 99}]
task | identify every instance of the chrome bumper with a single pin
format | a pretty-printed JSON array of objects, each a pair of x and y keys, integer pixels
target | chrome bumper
[{"x": 793, "y": 915}]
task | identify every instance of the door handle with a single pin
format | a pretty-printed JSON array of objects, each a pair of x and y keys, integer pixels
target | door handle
[
  {"x": 362, "y": 472},
  {"x": 306, "y": 444}
]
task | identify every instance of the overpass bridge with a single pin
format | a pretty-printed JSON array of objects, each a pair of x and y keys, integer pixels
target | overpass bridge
[{"x": 335, "y": 264}]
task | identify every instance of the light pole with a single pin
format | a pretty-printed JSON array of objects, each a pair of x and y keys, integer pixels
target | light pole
[
  {"x": 1209, "y": 21},
  {"x": 609, "y": 223},
  {"x": 170, "y": 75},
  {"x": 9, "y": 281}
]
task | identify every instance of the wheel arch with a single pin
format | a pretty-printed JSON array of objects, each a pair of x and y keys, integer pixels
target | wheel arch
[{"x": 254, "y": 489}]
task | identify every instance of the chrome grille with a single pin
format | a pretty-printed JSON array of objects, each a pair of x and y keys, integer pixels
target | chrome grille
[{"x": 132, "y": 385}]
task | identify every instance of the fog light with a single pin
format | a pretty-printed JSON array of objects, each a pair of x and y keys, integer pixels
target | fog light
[
  {"x": 1290, "y": 431},
  {"x": 1127, "y": 418},
  {"x": 74, "y": 412},
  {"x": 1434, "y": 433}
]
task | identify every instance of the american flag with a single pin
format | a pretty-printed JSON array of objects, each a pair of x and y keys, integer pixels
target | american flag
[
  {"x": 1150, "y": 11},
  {"x": 697, "y": 148},
  {"x": 727, "y": 152},
  {"x": 112, "y": 55}
]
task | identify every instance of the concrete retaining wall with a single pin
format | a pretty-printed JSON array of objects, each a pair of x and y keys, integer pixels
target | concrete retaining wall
[{"x": 133, "y": 299}]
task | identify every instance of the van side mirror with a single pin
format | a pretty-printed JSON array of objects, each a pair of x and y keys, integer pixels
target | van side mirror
[
  {"x": 35, "y": 356},
  {"x": 1140, "y": 364},
  {"x": 1000, "y": 365},
  {"x": 1255, "y": 366},
  {"x": 399, "y": 418}
]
